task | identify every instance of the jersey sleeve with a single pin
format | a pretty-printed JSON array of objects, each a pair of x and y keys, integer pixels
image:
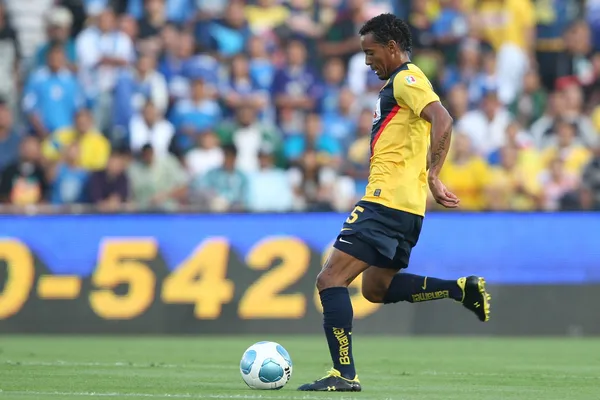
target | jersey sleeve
[{"x": 414, "y": 90}]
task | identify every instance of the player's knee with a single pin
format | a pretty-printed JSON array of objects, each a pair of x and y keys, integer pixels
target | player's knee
[
  {"x": 372, "y": 294},
  {"x": 326, "y": 279}
]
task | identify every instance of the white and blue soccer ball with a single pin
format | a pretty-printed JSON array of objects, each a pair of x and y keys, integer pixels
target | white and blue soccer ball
[{"x": 266, "y": 365}]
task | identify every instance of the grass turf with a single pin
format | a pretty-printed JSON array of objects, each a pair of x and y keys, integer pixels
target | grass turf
[{"x": 398, "y": 368}]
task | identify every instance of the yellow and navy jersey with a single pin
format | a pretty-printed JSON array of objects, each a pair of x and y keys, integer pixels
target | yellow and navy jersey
[{"x": 399, "y": 142}]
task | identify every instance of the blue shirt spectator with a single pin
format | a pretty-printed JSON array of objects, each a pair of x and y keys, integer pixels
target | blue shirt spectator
[
  {"x": 194, "y": 116},
  {"x": 295, "y": 84},
  {"x": 178, "y": 11},
  {"x": 314, "y": 138},
  {"x": 262, "y": 70},
  {"x": 10, "y": 139},
  {"x": 52, "y": 95},
  {"x": 135, "y": 87},
  {"x": 226, "y": 36},
  {"x": 69, "y": 185},
  {"x": 226, "y": 187},
  {"x": 180, "y": 68}
]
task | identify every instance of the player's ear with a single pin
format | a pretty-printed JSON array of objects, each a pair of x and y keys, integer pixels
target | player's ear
[{"x": 392, "y": 45}]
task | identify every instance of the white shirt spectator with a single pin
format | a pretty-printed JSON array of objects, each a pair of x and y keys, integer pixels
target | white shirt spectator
[
  {"x": 199, "y": 161},
  {"x": 91, "y": 46},
  {"x": 269, "y": 190},
  {"x": 486, "y": 135},
  {"x": 248, "y": 141},
  {"x": 158, "y": 135},
  {"x": 27, "y": 17}
]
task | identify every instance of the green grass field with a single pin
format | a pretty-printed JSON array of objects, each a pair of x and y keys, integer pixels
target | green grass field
[{"x": 395, "y": 368}]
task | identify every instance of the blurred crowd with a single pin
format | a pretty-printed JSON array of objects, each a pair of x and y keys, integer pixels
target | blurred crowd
[{"x": 267, "y": 105}]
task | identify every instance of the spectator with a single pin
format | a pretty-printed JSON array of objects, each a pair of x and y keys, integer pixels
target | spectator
[
  {"x": 225, "y": 36},
  {"x": 566, "y": 104},
  {"x": 150, "y": 127},
  {"x": 518, "y": 138},
  {"x": 334, "y": 74},
  {"x": 205, "y": 156},
  {"x": 295, "y": 86},
  {"x": 269, "y": 189},
  {"x": 266, "y": 15},
  {"x": 553, "y": 19},
  {"x": 458, "y": 101},
  {"x": 248, "y": 135},
  {"x": 327, "y": 148},
  {"x": 103, "y": 51},
  {"x": 509, "y": 26},
  {"x": 52, "y": 95},
  {"x": 59, "y": 22},
  {"x": 10, "y": 139},
  {"x": 210, "y": 9},
  {"x": 262, "y": 69},
  {"x": 340, "y": 40},
  {"x": 28, "y": 22},
  {"x": 466, "y": 174},
  {"x": 10, "y": 55},
  {"x": 108, "y": 189},
  {"x": 191, "y": 63},
  {"x": 153, "y": 19},
  {"x": 68, "y": 185},
  {"x": 341, "y": 122},
  {"x": 450, "y": 28},
  {"x": 93, "y": 149},
  {"x": 359, "y": 152},
  {"x": 573, "y": 156},
  {"x": 157, "y": 182},
  {"x": 591, "y": 183},
  {"x": 313, "y": 184},
  {"x": 511, "y": 186},
  {"x": 240, "y": 89},
  {"x": 224, "y": 188},
  {"x": 24, "y": 182},
  {"x": 486, "y": 126},
  {"x": 190, "y": 117},
  {"x": 531, "y": 102},
  {"x": 575, "y": 61},
  {"x": 135, "y": 87},
  {"x": 177, "y": 11},
  {"x": 556, "y": 182}
]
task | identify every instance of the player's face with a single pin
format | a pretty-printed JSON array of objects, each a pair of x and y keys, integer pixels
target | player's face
[{"x": 377, "y": 56}]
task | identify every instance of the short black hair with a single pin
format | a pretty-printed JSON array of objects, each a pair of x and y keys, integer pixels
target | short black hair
[
  {"x": 386, "y": 27},
  {"x": 229, "y": 149}
]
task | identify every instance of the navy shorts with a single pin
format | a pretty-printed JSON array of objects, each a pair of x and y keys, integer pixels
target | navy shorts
[{"x": 379, "y": 235}]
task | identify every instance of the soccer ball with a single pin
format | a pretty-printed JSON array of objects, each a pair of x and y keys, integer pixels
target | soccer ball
[{"x": 266, "y": 365}]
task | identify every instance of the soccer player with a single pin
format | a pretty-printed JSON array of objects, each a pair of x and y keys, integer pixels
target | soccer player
[{"x": 409, "y": 142}]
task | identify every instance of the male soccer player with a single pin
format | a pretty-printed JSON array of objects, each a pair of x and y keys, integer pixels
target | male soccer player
[{"x": 409, "y": 142}]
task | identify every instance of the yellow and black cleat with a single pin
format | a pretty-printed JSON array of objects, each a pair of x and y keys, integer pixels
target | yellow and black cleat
[
  {"x": 332, "y": 382},
  {"x": 475, "y": 297}
]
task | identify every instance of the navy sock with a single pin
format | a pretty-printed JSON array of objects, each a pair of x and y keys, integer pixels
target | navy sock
[
  {"x": 337, "y": 321},
  {"x": 415, "y": 289}
]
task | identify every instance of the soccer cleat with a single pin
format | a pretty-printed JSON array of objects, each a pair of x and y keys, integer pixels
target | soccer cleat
[
  {"x": 475, "y": 297},
  {"x": 332, "y": 382}
]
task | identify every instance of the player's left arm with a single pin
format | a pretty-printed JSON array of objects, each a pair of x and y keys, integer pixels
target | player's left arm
[
  {"x": 441, "y": 132},
  {"x": 416, "y": 92}
]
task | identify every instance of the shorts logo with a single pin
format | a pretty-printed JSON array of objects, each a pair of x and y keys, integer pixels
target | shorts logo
[
  {"x": 377, "y": 113},
  {"x": 410, "y": 79}
]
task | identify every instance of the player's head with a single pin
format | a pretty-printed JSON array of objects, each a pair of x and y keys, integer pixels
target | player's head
[{"x": 386, "y": 42}]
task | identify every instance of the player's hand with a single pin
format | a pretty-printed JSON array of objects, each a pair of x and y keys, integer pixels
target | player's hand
[{"x": 441, "y": 194}]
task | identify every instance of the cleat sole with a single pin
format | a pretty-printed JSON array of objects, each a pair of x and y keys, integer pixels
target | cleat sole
[{"x": 486, "y": 298}]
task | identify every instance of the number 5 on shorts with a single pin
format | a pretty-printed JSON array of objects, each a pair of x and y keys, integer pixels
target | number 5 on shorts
[{"x": 354, "y": 214}]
